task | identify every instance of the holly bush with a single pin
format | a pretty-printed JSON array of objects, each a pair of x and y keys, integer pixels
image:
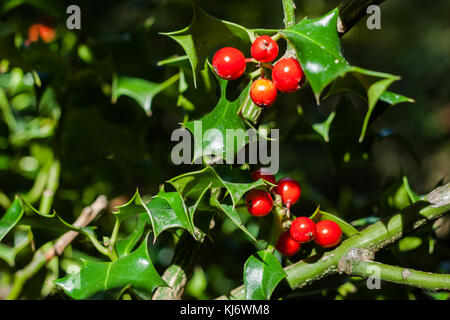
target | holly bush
[{"x": 94, "y": 207}]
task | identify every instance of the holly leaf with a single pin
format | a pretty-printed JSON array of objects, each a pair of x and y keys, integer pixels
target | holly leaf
[
  {"x": 318, "y": 48},
  {"x": 262, "y": 273},
  {"x": 191, "y": 184},
  {"x": 167, "y": 210},
  {"x": 141, "y": 90},
  {"x": 346, "y": 228},
  {"x": 323, "y": 128},
  {"x": 133, "y": 207},
  {"x": 22, "y": 238},
  {"x": 205, "y": 33},
  {"x": 104, "y": 279},
  {"x": 126, "y": 245},
  {"x": 394, "y": 98},
  {"x": 50, "y": 222},
  {"x": 210, "y": 132},
  {"x": 11, "y": 217},
  {"x": 231, "y": 212}
]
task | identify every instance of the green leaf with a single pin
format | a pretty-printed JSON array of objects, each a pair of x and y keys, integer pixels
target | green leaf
[
  {"x": 347, "y": 228},
  {"x": 262, "y": 273},
  {"x": 167, "y": 210},
  {"x": 22, "y": 238},
  {"x": 231, "y": 212},
  {"x": 210, "y": 132},
  {"x": 394, "y": 98},
  {"x": 318, "y": 48},
  {"x": 205, "y": 33},
  {"x": 103, "y": 279},
  {"x": 143, "y": 91},
  {"x": 126, "y": 245},
  {"x": 409, "y": 243},
  {"x": 411, "y": 194},
  {"x": 323, "y": 128},
  {"x": 192, "y": 184},
  {"x": 374, "y": 93},
  {"x": 133, "y": 207},
  {"x": 50, "y": 222},
  {"x": 11, "y": 217}
]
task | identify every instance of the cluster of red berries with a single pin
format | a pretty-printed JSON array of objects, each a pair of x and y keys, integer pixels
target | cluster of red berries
[
  {"x": 326, "y": 233},
  {"x": 260, "y": 203},
  {"x": 287, "y": 75}
]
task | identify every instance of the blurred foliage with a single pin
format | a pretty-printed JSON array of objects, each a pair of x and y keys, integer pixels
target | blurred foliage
[{"x": 112, "y": 148}]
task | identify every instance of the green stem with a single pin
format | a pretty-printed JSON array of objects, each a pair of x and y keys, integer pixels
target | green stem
[
  {"x": 100, "y": 248},
  {"x": 405, "y": 276},
  {"x": 276, "y": 228},
  {"x": 112, "y": 242},
  {"x": 289, "y": 12},
  {"x": 51, "y": 187},
  {"x": 21, "y": 276},
  {"x": 8, "y": 115}
]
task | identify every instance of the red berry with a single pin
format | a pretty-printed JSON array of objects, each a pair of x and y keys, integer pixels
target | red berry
[
  {"x": 287, "y": 75},
  {"x": 259, "y": 203},
  {"x": 263, "y": 92},
  {"x": 229, "y": 63},
  {"x": 263, "y": 174},
  {"x": 264, "y": 49},
  {"x": 328, "y": 234},
  {"x": 289, "y": 190},
  {"x": 287, "y": 245},
  {"x": 303, "y": 229}
]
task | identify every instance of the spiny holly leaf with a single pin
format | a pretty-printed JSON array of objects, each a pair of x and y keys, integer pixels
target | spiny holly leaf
[
  {"x": 210, "y": 132},
  {"x": 194, "y": 184},
  {"x": 168, "y": 210},
  {"x": 50, "y": 222},
  {"x": 126, "y": 245},
  {"x": 103, "y": 279},
  {"x": 133, "y": 207},
  {"x": 191, "y": 184},
  {"x": 11, "y": 217},
  {"x": 347, "y": 228},
  {"x": 262, "y": 273},
  {"x": 232, "y": 213},
  {"x": 318, "y": 48},
  {"x": 205, "y": 33},
  {"x": 143, "y": 91}
]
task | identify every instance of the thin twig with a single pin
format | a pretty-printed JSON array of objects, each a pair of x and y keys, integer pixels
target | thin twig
[{"x": 87, "y": 215}]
